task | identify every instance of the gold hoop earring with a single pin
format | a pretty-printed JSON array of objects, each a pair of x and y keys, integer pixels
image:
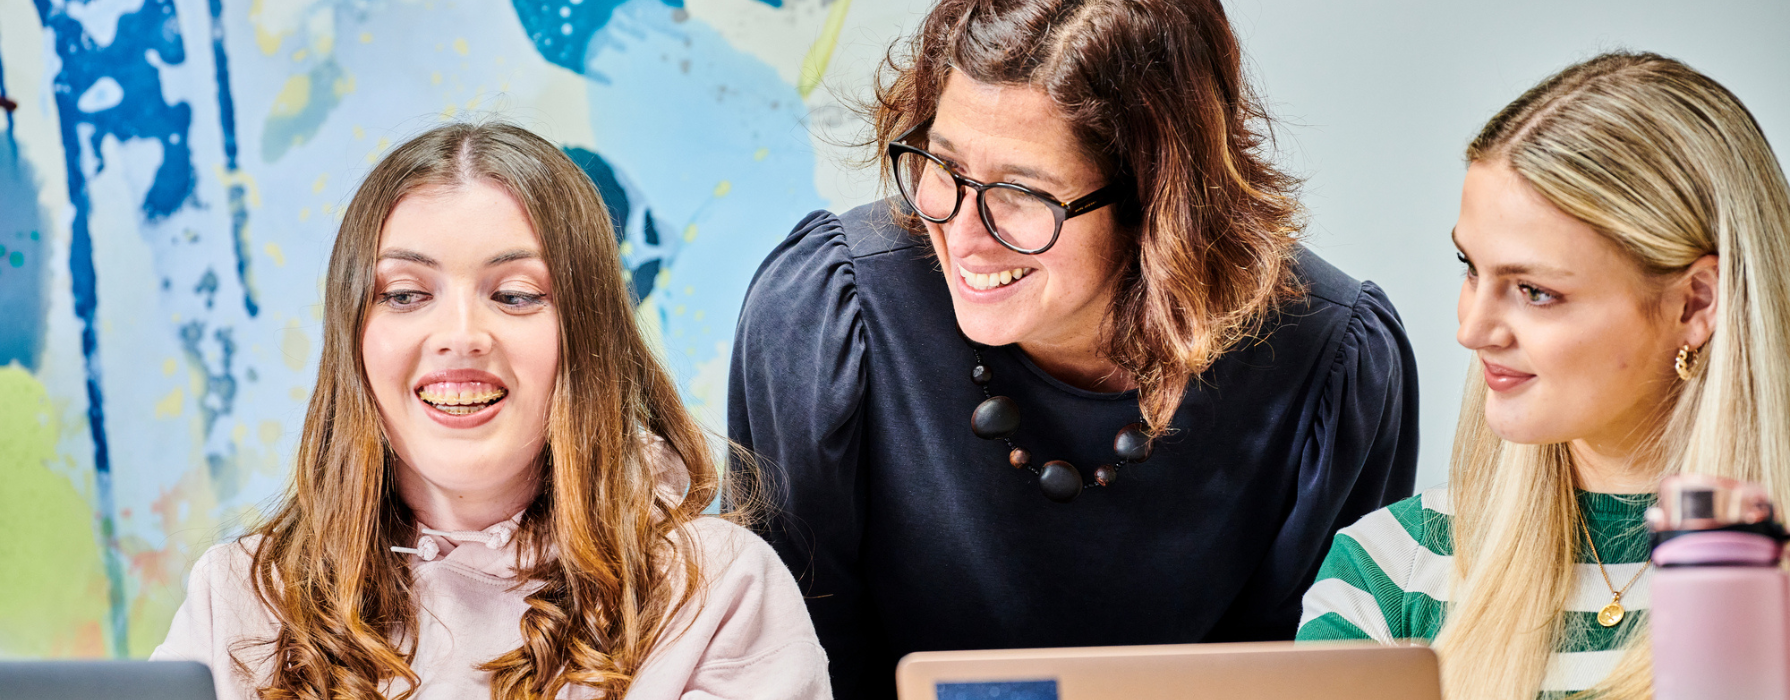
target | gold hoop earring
[{"x": 1686, "y": 365}]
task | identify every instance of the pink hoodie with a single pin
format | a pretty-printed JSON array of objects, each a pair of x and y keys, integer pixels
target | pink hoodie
[{"x": 749, "y": 637}]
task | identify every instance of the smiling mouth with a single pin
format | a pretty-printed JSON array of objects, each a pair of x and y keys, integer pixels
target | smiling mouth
[
  {"x": 991, "y": 280},
  {"x": 461, "y": 398}
]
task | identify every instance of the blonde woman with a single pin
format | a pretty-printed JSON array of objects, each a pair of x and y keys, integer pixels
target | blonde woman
[
  {"x": 498, "y": 493},
  {"x": 1625, "y": 230}
]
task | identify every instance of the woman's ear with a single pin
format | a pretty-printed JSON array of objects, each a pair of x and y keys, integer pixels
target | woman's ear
[{"x": 1698, "y": 290}]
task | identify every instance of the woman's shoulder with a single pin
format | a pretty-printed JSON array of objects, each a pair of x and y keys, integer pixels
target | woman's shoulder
[
  {"x": 731, "y": 549},
  {"x": 1423, "y": 523},
  {"x": 820, "y": 254}
]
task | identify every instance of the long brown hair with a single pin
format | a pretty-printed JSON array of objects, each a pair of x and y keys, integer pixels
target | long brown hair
[
  {"x": 1669, "y": 166},
  {"x": 1155, "y": 92},
  {"x": 597, "y": 537}
]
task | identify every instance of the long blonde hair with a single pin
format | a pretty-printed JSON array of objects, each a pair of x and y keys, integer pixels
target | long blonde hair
[
  {"x": 598, "y": 537},
  {"x": 1669, "y": 166}
]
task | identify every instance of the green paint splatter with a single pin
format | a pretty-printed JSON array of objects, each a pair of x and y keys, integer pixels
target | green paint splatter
[
  {"x": 300, "y": 107},
  {"x": 17, "y": 258},
  {"x": 52, "y": 584}
]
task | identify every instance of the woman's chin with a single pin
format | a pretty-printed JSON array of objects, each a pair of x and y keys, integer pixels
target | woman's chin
[{"x": 981, "y": 329}]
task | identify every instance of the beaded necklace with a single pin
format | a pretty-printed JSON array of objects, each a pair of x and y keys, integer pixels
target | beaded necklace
[{"x": 997, "y": 418}]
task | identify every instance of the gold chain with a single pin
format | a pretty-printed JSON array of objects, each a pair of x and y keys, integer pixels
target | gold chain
[{"x": 1616, "y": 594}]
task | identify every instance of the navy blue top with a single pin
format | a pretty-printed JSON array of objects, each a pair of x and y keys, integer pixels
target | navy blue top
[{"x": 908, "y": 533}]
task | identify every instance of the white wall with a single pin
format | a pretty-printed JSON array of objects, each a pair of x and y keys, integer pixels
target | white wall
[{"x": 1377, "y": 100}]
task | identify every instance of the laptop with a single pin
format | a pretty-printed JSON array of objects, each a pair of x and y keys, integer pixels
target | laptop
[
  {"x": 80, "y": 680},
  {"x": 1255, "y": 670}
]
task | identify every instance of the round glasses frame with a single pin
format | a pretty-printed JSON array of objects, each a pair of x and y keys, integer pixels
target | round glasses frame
[{"x": 1060, "y": 210}]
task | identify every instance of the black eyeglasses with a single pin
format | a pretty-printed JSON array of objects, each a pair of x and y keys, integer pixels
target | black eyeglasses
[{"x": 1022, "y": 219}]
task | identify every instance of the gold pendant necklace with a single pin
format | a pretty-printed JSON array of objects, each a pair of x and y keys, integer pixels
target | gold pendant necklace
[{"x": 1611, "y": 615}]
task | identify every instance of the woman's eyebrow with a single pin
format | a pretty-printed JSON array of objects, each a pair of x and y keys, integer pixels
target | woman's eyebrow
[
  {"x": 410, "y": 256},
  {"x": 512, "y": 256},
  {"x": 1012, "y": 170}
]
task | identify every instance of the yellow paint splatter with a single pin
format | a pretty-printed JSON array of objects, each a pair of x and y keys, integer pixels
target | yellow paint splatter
[
  {"x": 722, "y": 189},
  {"x": 699, "y": 314},
  {"x": 304, "y": 214},
  {"x": 268, "y": 41},
  {"x": 461, "y": 48},
  {"x": 449, "y": 111},
  {"x": 690, "y": 231},
  {"x": 343, "y": 85},
  {"x": 689, "y": 290},
  {"x": 378, "y": 148},
  {"x": 761, "y": 154},
  {"x": 359, "y": 133},
  {"x": 677, "y": 310},
  {"x": 274, "y": 252},
  {"x": 295, "y": 346},
  {"x": 324, "y": 44},
  {"x": 241, "y": 177},
  {"x": 473, "y": 103},
  {"x": 270, "y": 432},
  {"x": 301, "y": 54},
  {"x": 299, "y": 394},
  {"x": 168, "y": 367},
  {"x": 169, "y": 406},
  {"x": 239, "y": 433},
  {"x": 293, "y": 97},
  {"x": 327, "y": 207},
  {"x": 627, "y": 248},
  {"x": 366, "y": 37},
  {"x": 322, "y": 180},
  {"x": 435, "y": 78},
  {"x": 814, "y": 65}
]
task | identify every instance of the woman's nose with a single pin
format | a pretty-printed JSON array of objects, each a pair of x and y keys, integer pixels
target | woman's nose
[
  {"x": 1481, "y": 325},
  {"x": 467, "y": 333},
  {"x": 966, "y": 233}
]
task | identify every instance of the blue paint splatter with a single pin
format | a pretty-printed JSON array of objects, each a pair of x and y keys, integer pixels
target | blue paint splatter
[
  {"x": 562, "y": 29},
  {"x": 649, "y": 257},
  {"x": 22, "y": 299},
  {"x": 139, "y": 112},
  {"x": 219, "y": 395},
  {"x": 239, "y": 209},
  {"x": 609, "y": 186},
  {"x": 21, "y": 254}
]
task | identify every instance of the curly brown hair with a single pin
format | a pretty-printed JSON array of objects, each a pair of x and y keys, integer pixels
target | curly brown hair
[
  {"x": 1155, "y": 92},
  {"x": 604, "y": 545}
]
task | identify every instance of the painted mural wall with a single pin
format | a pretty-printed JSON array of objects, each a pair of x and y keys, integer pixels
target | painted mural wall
[{"x": 171, "y": 181}]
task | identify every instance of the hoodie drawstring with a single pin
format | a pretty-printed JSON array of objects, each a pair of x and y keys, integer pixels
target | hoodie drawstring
[{"x": 494, "y": 537}]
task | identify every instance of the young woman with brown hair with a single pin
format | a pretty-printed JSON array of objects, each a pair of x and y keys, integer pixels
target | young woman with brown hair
[
  {"x": 1087, "y": 277},
  {"x": 1624, "y": 230},
  {"x": 498, "y": 493}
]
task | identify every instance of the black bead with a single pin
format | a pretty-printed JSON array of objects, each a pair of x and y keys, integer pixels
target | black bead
[
  {"x": 1106, "y": 475},
  {"x": 1060, "y": 481},
  {"x": 995, "y": 418},
  {"x": 1132, "y": 444},
  {"x": 981, "y": 374}
]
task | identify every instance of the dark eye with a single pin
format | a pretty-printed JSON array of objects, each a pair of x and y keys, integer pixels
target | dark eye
[
  {"x": 403, "y": 299},
  {"x": 1464, "y": 261},
  {"x": 519, "y": 300},
  {"x": 1536, "y": 295}
]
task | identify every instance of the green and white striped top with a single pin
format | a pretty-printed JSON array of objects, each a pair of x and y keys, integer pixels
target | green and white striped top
[{"x": 1387, "y": 578}]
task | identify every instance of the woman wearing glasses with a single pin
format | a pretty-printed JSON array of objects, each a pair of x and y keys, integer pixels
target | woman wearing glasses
[{"x": 1075, "y": 382}]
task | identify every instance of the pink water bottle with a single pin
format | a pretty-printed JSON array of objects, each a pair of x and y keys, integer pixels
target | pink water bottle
[{"x": 1721, "y": 604}]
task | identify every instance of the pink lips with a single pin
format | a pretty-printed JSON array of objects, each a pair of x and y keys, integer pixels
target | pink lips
[
  {"x": 466, "y": 385},
  {"x": 1501, "y": 379}
]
